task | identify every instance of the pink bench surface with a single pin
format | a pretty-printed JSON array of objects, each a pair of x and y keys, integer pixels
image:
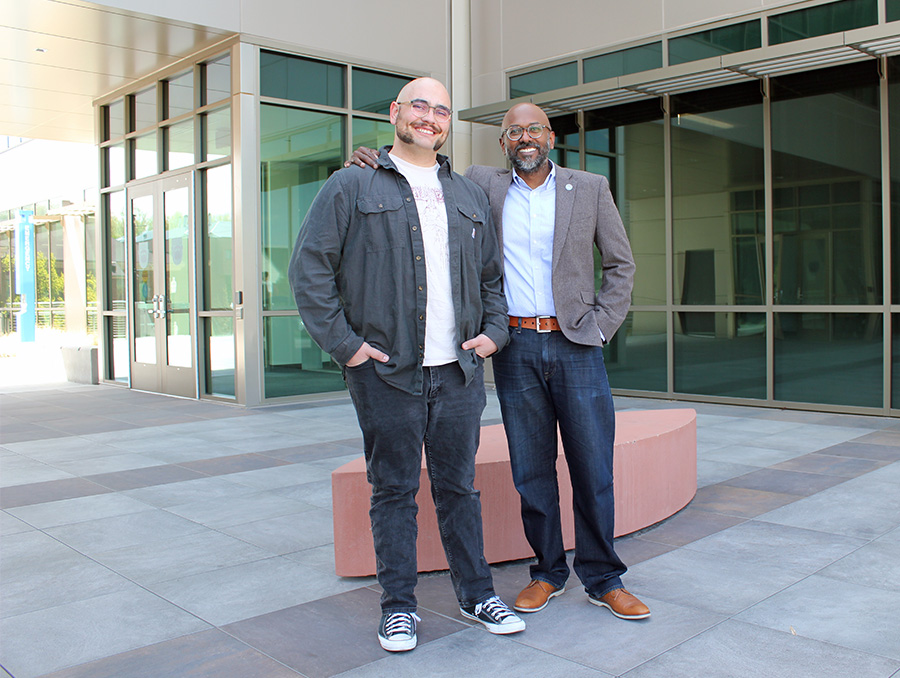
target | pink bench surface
[{"x": 655, "y": 476}]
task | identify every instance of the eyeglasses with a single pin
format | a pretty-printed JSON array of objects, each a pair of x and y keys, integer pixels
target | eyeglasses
[
  {"x": 420, "y": 109},
  {"x": 515, "y": 132}
]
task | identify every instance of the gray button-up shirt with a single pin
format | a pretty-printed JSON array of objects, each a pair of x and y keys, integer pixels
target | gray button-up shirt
[{"x": 358, "y": 269}]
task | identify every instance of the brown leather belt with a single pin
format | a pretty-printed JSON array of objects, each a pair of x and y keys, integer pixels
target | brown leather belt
[{"x": 541, "y": 323}]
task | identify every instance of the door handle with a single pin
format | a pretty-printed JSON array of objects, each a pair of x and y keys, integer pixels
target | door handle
[{"x": 162, "y": 306}]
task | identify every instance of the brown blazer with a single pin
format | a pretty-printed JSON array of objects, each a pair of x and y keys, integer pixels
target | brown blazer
[{"x": 585, "y": 216}]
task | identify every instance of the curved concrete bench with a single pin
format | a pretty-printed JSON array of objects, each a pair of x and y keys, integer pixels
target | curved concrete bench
[{"x": 655, "y": 471}]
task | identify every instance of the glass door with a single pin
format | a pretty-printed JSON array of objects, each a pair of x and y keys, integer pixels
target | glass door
[{"x": 164, "y": 353}]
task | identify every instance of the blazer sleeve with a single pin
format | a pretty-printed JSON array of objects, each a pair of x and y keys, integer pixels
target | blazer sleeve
[{"x": 614, "y": 298}]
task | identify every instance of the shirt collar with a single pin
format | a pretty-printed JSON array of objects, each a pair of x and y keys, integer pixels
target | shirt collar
[{"x": 549, "y": 182}]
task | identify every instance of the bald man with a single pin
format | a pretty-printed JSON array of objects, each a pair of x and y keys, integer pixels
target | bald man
[
  {"x": 397, "y": 274},
  {"x": 551, "y": 374}
]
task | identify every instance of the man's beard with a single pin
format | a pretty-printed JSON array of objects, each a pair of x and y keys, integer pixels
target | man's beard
[
  {"x": 407, "y": 138},
  {"x": 527, "y": 166}
]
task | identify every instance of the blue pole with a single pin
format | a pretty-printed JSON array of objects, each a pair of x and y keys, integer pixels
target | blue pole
[{"x": 25, "y": 265}]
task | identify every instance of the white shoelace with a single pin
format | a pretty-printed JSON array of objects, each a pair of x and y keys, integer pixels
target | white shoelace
[
  {"x": 401, "y": 622},
  {"x": 495, "y": 607}
]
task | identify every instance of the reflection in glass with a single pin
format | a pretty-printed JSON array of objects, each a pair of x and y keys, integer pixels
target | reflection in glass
[
  {"x": 117, "y": 347},
  {"x": 623, "y": 62},
  {"x": 372, "y": 133},
  {"x": 543, "y": 80},
  {"x": 217, "y": 76},
  {"x": 145, "y": 156},
  {"x": 177, "y": 283},
  {"x": 833, "y": 358},
  {"x": 722, "y": 354},
  {"x": 218, "y": 262},
  {"x": 115, "y": 162},
  {"x": 294, "y": 364},
  {"x": 144, "y": 280},
  {"x": 217, "y": 129},
  {"x": 725, "y": 40},
  {"x": 115, "y": 122},
  {"x": 180, "y": 95},
  {"x": 90, "y": 275},
  {"x": 894, "y": 137},
  {"x": 290, "y": 77},
  {"x": 828, "y": 246},
  {"x": 374, "y": 92},
  {"x": 636, "y": 356},
  {"x": 220, "y": 356},
  {"x": 180, "y": 144},
  {"x": 717, "y": 163},
  {"x": 832, "y": 17},
  {"x": 895, "y": 361},
  {"x": 299, "y": 151},
  {"x": 145, "y": 113},
  {"x": 115, "y": 244}
]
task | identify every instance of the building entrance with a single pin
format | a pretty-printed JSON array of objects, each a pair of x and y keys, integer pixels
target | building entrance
[{"x": 163, "y": 355}]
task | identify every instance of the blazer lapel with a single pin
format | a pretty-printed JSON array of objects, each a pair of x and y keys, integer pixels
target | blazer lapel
[
  {"x": 497, "y": 196},
  {"x": 566, "y": 187}
]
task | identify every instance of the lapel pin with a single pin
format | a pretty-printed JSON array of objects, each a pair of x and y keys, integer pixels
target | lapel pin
[{"x": 568, "y": 187}]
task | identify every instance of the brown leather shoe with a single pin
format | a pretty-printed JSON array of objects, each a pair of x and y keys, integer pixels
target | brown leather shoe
[
  {"x": 622, "y": 604},
  {"x": 536, "y": 595}
]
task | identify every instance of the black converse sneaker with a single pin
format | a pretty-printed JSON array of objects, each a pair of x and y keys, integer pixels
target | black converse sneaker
[
  {"x": 495, "y": 616},
  {"x": 397, "y": 632}
]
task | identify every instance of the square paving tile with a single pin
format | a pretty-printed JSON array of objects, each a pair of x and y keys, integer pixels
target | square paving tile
[
  {"x": 785, "y": 482},
  {"x": 736, "y": 650},
  {"x": 51, "y": 490},
  {"x": 208, "y": 654},
  {"x": 688, "y": 525},
  {"x": 144, "y": 477},
  {"x": 68, "y": 635},
  {"x": 843, "y": 467},
  {"x": 235, "y": 463},
  {"x": 80, "y": 509},
  {"x": 738, "y": 501},
  {"x": 104, "y": 534},
  {"x": 874, "y": 565},
  {"x": 326, "y": 637},
  {"x": 850, "y": 615},
  {"x": 873, "y": 451}
]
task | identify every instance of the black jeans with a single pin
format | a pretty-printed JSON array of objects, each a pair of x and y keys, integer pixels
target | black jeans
[{"x": 446, "y": 418}]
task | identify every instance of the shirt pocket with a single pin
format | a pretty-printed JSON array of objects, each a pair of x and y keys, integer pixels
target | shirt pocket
[
  {"x": 385, "y": 222},
  {"x": 472, "y": 227}
]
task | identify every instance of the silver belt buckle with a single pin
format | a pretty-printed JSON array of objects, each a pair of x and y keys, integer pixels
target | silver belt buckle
[{"x": 537, "y": 323}]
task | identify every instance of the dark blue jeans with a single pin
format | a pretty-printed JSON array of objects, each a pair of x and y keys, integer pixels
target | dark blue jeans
[
  {"x": 446, "y": 418},
  {"x": 545, "y": 381}
]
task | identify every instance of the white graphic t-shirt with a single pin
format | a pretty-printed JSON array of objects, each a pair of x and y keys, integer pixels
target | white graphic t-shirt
[{"x": 440, "y": 320}]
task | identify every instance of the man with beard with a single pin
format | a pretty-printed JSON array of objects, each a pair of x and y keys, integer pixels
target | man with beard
[
  {"x": 396, "y": 273},
  {"x": 551, "y": 375}
]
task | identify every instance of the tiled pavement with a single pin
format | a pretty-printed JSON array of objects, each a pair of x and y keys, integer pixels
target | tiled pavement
[{"x": 146, "y": 536}]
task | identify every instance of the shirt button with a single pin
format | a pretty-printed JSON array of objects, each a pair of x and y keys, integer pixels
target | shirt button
[
  {"x": 420, "y": 288},
  {"x": 418, "y": 258},
  {"x": 415, "y": 228},
  {"x": 380, "y": 205},
  {"x": 409, "y": 200},
  {"x": 421, "y": 317}
]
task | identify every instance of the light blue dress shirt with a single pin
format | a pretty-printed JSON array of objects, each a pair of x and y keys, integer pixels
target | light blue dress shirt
[{"x": 529, "y": 216}]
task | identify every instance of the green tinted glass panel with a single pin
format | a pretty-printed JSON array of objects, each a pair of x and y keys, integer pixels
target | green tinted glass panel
[
  {"x": 218, "y": 247},
  {"x": 636, "y": 357},
  {"x": 299, "y": 150},
  {"x": 144, "y": 157},
  {"x": 177, "y": 280},
  {"x": 293, "y": 363},
  {"x": 828, "y": 250},
  {"x": 372, "y": 133},
  {"x": 115, "y": 244},
  {"x": 623, "y": 62},
  {"x": 712, "y": 152},
  {"x": 894, "y": 136},
  {"x": 115, "y": 120},
  {"x": 895, "y": 356},
  {"x": 831, "y": 18},
  {"x": 831, "y": 358},
  {"x": 180, "y": 144},
  {"x": 543, "y": 80},
  {"x": 220, "y": 356},
  {"x": 725, "y": 40},
  {"x": 180, "y": 95},
  {"x": 145, "y": 113},
  {"x": 298, "y": 79},
  {"x": 721, "y": 354},
  {"x": 217, "y": 130},
  {"x": 374, "y": 92},
  {"x": 217, "y": 76},
  {"x": 893, "y": 14}
]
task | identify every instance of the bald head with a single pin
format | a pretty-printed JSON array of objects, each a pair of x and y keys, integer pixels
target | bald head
[
  {"x": 429, "y": 89},
  {"x": 524, "y": 115}
]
